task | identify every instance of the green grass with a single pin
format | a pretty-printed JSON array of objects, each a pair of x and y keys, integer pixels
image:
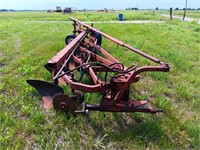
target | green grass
[
  {"x": 26, "y": 46},
  {"x": 99, "y": 16}
]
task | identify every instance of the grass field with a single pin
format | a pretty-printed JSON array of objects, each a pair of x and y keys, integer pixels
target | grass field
[
  {"x": 189, "y": 13},
  {"x": 83, "y": 16},
  {"x": 26, "y": 45}
]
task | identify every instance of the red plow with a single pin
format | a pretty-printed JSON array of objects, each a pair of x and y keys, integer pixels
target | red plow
[{"x": 83, "y": 59}]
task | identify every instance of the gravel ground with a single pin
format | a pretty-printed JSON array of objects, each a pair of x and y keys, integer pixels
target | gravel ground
[{"x": 180, "y": 18}]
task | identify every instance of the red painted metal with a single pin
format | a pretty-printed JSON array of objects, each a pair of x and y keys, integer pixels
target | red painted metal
[{"x": 83, "y": 57}]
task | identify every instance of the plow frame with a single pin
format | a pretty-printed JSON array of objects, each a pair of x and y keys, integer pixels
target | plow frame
[{"x": 82, "y": 54}]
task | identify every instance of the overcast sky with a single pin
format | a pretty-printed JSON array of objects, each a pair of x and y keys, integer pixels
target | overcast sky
[{"x": 96, "y": 4}]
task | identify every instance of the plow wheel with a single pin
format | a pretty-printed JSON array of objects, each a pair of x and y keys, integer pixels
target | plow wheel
[{"x": 64, "y": 103}]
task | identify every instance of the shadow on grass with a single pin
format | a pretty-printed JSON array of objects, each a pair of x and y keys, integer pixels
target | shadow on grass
[{"x": 139, "y": 131}]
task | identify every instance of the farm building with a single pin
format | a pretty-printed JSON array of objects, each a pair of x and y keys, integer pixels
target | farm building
[{"x": 58, "y": 9}]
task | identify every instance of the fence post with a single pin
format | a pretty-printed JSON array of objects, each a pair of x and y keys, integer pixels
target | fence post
[{"x": 171, "y": 13}]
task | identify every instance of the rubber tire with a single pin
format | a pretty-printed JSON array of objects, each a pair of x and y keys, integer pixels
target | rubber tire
[
  {"x": 99, "y": 38},
  {"x": 69, "y": 38}
]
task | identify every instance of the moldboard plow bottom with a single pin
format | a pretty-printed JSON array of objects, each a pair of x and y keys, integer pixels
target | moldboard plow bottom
[{"x": 85, "y": 67}]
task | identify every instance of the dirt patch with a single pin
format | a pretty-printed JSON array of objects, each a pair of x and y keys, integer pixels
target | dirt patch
[
  {"x": 128, "y": 118},
  {"x": 180, "y": 18},
  {"x": 107, "y": 22},
  {"x": 2, "y": 65},
  {"x": 2, "y": 55}
]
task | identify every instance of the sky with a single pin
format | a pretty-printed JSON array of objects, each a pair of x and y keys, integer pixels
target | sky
[{"x": 96, "y": 4}]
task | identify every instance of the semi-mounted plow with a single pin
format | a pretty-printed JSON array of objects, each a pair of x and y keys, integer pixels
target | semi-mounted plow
[{"x": 83, "y": 58}]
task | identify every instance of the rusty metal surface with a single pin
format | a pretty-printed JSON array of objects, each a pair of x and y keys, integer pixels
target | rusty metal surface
[
  {"x": 145, "y": 109},
  {"x": 55, "y": 62},
  {"x": 64, "y": 103},
  {"x": 47, "y": 91},
  {"x": 112, "y": 79},
  {"x": 118, "y": 42},
  {"x": 45, "y": 88}
]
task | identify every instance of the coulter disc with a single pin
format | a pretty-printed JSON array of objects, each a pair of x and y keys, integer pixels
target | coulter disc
[{"x": 64, "y": 103}]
